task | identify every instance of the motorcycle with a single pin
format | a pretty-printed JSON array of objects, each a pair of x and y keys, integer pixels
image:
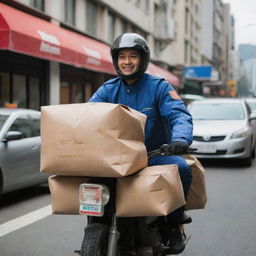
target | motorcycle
[{"x": 106, "y": 234}]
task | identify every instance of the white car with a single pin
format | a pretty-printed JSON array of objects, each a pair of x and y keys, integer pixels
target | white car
[
  {"x": 20, "y": 144},
  {"x": 224, "y": 128}
]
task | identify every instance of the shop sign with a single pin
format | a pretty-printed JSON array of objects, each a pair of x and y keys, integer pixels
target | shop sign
[
  {"x": 93, "y": 57},
  {"x": 49, "y": 43},
  {"x": 198, "y": 72}
]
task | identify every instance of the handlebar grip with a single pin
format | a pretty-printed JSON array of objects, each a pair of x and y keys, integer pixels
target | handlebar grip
[{"x": 164, "y": 151}]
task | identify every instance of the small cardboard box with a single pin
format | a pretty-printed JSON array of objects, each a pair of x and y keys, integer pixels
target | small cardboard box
[
  {"x": 92, "y": 139},
  {"x": 65, "y": 193},
  {"x": 197, "y": 197},
  {"x": 154, "y": 191}
]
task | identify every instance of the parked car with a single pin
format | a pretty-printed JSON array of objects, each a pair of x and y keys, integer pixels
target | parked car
[
  {"x": 224, "y": 128},
  {"x": 252, "y": 103},
  {"x": 19, "y": 149}
]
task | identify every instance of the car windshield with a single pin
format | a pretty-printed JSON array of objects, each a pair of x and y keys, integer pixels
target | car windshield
[
  {"x": 2, "y": 120},
  {"x": 217, "y": 111},
  {"x": 252, "y": 105}
]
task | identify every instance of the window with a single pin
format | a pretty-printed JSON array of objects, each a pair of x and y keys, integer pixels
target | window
[
  {"x": 196, "y": 10},
  {"x": 19, "y": 89},
  {"x": 186, "y": 51},
  {"x": 22, "y": 90},
  {"x": 186, "y": 20},
  {"x": 34, "y": 93},
  {"x": 146, "y": 5},
  {"x": 217, "y": 111},
  {"x": 91, "y": 18},
  {"x": 4, "y": 88},
  {"x": 70, "y": 11},
  {"x": 157, "y": 48},
  {"x": 191, "y": 26},
  {"x": 123, "y": 27},
  {"x": 111, "y": 27},
  {"x": 22, "y": 81},
  {"x": 38, "y": 4},
  {"x": 73, "y": 85},
  {"x": 22, "y": 125},
  {"x": 138, "y": 2},
  {"x": 72, "y": 93},
  {"x": 77, "y": 93},
  {"x": 35, "y": 125},
  {"x": 3, "y": 118}
]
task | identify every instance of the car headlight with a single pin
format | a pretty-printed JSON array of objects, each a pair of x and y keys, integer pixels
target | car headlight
[{"x": 240, "y": 133}]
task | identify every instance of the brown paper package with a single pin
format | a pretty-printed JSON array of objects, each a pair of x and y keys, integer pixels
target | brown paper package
[
  {"x": 65, "y": 193},
  {"x": 154, "y": 191},
  {"x": 197, "y": 196},
  {"x": 139, "y": 193},
  {"x": 92, "y": 139}
]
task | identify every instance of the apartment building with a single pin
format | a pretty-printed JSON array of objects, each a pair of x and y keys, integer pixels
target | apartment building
[
  {"x": 187, "y": 43},
  {"x": 58, "y": 51}
]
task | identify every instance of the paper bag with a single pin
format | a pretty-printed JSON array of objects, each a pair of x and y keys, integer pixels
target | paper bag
[
  {"x": 65, "y": 193},
  {"x": 197, "y": 197},
  {"x": 92, "y": 139},
  {"x": 154, "y": 191}
]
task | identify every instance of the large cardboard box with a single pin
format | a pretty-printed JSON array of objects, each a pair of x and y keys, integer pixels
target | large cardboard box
[
  {"x": 65, "y": 193},
  {"x": 154, "y": 191},
  {"x": 92, "y": 139},
  {"x": 197, "y": 197}
]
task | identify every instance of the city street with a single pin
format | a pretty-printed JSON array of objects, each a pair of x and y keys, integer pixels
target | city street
[
  {"x": 225, "y": 228},
  {"x": 89, "y": 87}
]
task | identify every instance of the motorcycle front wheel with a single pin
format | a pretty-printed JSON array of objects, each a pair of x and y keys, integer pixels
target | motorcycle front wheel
[{"x": 95, "y": 242}]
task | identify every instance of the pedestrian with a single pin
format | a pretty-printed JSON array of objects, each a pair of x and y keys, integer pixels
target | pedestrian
[{"x": 168, "y": 120}]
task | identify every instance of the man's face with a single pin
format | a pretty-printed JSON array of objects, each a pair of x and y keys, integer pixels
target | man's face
[{"x": 128, "y": 61}]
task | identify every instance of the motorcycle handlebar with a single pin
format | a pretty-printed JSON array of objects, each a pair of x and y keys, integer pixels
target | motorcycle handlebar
[{"x": 164, "y": 151}]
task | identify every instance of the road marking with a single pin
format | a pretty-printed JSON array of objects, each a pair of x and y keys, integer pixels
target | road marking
[{"x": 25, "y": 220}]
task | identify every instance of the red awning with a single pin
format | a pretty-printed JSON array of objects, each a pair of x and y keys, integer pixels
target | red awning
[
  {"x": 159, "y": 71},
  {"x": 23, "y": 33}
]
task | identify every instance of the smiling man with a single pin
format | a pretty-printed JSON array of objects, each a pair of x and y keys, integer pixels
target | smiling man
[
  {"x": 128, "y": 63},
  {"x": 168, "y": 120}
]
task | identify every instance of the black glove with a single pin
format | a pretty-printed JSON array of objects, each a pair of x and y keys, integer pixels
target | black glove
[{"x": 178, "y": 148}]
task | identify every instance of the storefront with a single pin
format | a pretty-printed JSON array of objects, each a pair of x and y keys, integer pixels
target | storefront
[
  {"x": 23, "y": 80},
  {"x": 77, "y": 85},
  {"x": 43, "y": 63}
]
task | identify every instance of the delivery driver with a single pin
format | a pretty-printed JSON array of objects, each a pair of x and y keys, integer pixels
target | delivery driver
[{"x": 168, "y": 120}]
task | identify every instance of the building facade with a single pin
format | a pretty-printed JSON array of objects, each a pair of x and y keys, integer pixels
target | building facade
[
  {"x": 73, "y": 38},
  {"x": 56, "y": 52}
]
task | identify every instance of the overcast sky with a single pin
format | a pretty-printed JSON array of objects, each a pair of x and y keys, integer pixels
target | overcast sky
[{"x": 244, "y": 12}]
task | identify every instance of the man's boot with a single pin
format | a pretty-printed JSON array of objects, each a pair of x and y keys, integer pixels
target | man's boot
[{"x": 177, "y": 240}]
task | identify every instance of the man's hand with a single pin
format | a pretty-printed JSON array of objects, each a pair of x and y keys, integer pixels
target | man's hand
[{"x": 178, "y": 148}]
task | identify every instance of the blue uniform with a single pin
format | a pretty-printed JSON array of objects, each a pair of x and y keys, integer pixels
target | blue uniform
[{"x": 167, "y": 118}]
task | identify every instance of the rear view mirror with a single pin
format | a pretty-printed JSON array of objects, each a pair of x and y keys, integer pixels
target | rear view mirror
[
  {"x": 13, "y": 135},
  {"x": 252, "y": 116}
]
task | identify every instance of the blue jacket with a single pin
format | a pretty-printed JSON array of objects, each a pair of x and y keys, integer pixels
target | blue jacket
[{"x": 167, "y": 117}]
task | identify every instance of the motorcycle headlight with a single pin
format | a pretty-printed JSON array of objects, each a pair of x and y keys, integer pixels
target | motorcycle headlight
[{"x": 240, "y": 133}]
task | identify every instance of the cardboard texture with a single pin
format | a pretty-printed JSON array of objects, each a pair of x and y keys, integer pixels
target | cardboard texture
[
  {"x": 197, "y": 197},
  {"x": 154, "y": 191},
  {"x": 65, "y": 193},
  {"x": 92, "y": 139}
]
